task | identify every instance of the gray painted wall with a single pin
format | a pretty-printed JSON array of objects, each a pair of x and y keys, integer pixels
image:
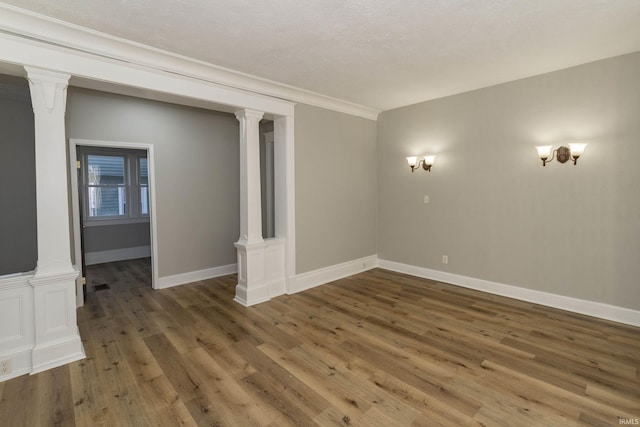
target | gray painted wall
[
  {"x": 18, "y": 240},
  {"x": 335, "y": 188},
  {"x": 197, "y": 177},
  {"x": 494, "y": 210},
  {"x": 121, "y": 236}
]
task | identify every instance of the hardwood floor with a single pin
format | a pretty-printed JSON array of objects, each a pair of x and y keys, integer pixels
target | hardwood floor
[{"x": 376, "y": 349}]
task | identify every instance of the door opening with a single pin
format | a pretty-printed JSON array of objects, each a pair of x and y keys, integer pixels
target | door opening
[{"x": 113, "y": 214}]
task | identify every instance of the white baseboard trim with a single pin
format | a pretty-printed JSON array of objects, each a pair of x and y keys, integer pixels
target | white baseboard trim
[
  {"x": 100, "y": 257},
  {"x": 589, "y": 308},
  {"x": 258, "y": 295},
  {"x": 194, "y": 276},
  {"x": 321, "y": 276},
  {"x": 57, "y": 354},
  {"x": 20, "y": 363}
]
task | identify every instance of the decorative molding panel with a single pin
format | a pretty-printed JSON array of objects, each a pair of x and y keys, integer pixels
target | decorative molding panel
[
  {"x": 12, "y": 308},
  {"x": 91, "y": 258},
  {"x": 15, "y": 281},
  {"x": 252, "y": 286},
  {"x": 274, "y": 255},
  {"x": 57, "y": 338},
  {"x": 265, "y": 264},
  {"x": 321, "y": 276},
  {"x": 195, "y": 276},
  {"x": 589, "y": 308},
  {"x": 37, "y": 323},
  {"x": 16, "y": 315}
]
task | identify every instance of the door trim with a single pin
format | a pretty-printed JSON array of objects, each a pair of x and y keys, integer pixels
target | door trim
[{"x": 75, "y": 203}]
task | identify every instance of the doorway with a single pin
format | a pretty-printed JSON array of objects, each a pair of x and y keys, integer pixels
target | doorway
[{"x": 114, "y": 205}]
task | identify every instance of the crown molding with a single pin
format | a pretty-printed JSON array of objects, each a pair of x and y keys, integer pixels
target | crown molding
[{"x": 32, "y": 26}]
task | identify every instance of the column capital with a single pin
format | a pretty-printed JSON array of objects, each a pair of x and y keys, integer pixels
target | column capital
[
  {"x": 48, "y": 89},
  {"x": 247, "y": 113}
]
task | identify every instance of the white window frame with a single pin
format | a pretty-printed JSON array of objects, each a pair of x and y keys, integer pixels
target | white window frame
[
  {"x": 140, "y": 203},
  {"x": 131, "y": 187}
]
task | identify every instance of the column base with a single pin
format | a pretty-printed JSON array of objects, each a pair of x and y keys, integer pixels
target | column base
[
  {"x": 54, "y": 354},
  {"x": 57, "y": 338},
  {"x": 261, "y": 272},
  {"x": 252, "y": 286},
  {"x": 257, "y": 296}
]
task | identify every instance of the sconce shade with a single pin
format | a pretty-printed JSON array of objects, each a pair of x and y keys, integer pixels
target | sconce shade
[
  {"x": 429, "y": 160},
  {"x": 544, "y": 151},
  {"x": 577, "y": 149},
  {"x": 412, "y": 161}
]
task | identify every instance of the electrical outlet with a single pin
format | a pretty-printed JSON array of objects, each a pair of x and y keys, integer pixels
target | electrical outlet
[
  {"x": 445, "y": 259},
  {"x": 5, "y": 367}
]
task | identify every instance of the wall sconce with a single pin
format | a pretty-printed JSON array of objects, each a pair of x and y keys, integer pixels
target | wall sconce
[
  {"x": 426, "y": 162},
  {"x": 562, "y": 154}
]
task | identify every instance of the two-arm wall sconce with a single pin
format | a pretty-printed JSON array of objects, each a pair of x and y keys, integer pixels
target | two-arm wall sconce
[
  {"x": 426, "y": 162},
  {"x": 562, "y": 154}
]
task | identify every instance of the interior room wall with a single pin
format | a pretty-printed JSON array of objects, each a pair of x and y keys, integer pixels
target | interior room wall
[
  {"x": 494, "y": 209},
  {"x": 335, "y": 157},
  {"x": 117, "y": 236},
  {"x": 18, "y": 234},
  {"x": 196, "y": 169}
]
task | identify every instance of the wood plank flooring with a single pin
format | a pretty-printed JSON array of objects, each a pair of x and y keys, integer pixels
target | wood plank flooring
[{"x": 375, "y": 349}]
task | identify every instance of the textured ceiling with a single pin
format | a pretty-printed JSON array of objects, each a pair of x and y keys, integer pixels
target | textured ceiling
[{"x": 378, "y": 53}]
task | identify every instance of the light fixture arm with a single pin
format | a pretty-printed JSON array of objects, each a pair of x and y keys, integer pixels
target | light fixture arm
[
  {"x": 425, "y": 166},
  {"x": 546, "y": 159}
]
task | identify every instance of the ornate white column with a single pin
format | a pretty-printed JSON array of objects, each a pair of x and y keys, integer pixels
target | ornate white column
[
  {"x": 57, "y": 340},
  {"x": 250, "y": 200},
  {"x": 252, "y": 288}
]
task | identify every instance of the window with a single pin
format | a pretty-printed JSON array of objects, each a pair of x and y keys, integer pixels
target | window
[
  {"x": 106, "y": 186},
  {"x": 143, "y": 185},
  {"x": 116, "y": 185}
]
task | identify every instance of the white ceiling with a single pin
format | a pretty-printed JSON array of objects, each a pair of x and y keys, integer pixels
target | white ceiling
[{"x": 381, "y": 54}]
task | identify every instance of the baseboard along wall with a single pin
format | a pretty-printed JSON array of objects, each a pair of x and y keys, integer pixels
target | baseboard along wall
[
  {"x": 318, "y": 277},
  {"x": 311, "y": 279},
  {"x": 589, "y": 308},
  {"x": 195, "y": 276},
  {"x": 100, "y": 257}
]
